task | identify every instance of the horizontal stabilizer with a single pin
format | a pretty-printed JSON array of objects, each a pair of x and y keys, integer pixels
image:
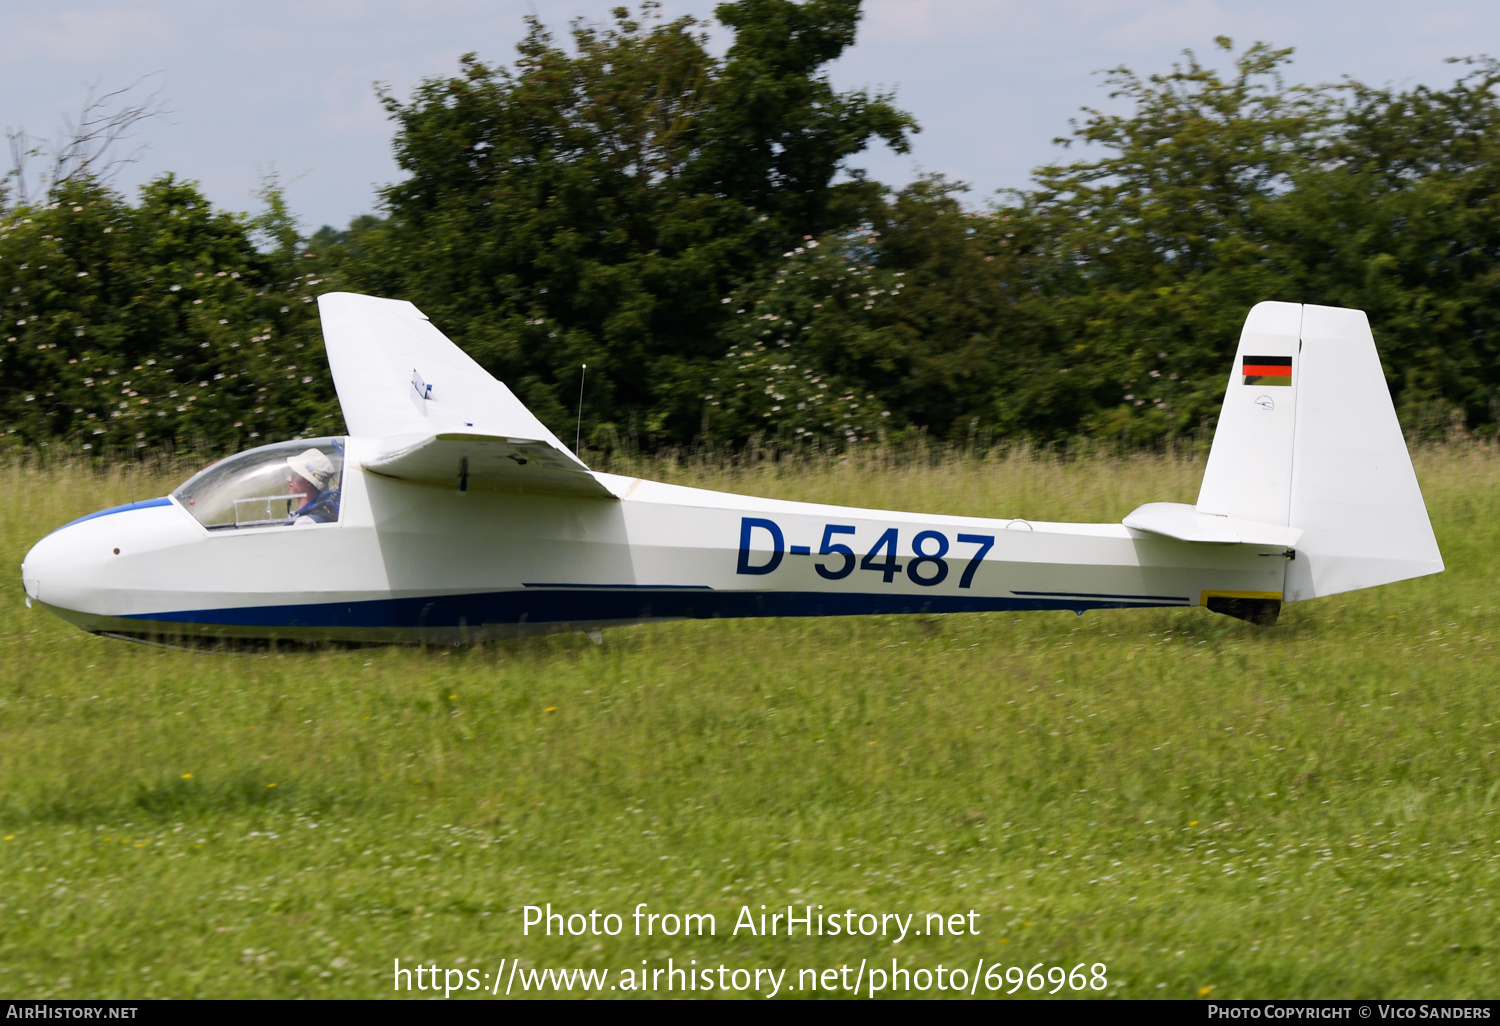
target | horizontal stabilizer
[
  {"x": 1183, "y": 522},
  {"x": 470, "y": 462}
]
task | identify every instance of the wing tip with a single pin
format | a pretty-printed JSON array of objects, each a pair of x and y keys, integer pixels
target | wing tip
[{"x": 351, "y": 301}]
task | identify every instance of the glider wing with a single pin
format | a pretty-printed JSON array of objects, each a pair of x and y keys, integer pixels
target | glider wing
[
  {"x": 472, "y": 462},
  {"x": 443, "y": 420},
  {"x": 398, "y": 376}
]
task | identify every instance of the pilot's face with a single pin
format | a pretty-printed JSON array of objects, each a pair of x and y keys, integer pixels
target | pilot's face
[{"x": 296, "y": 484}]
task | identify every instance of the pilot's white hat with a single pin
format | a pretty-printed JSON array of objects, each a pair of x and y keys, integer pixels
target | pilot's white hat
[{"x": 313, "y": 466}]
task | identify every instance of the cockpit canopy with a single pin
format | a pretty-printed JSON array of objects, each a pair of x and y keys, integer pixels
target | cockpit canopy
[{"x": 284, "y": 483}]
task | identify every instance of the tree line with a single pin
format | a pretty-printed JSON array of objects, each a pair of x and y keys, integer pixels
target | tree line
[{"x": 694, "y": 228}]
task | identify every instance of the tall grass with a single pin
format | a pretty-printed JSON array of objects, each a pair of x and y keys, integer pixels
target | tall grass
[{"x": 1202, "y": 805}]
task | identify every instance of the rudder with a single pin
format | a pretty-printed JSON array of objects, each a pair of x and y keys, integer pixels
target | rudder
[{"x": 1354, "y": 491}]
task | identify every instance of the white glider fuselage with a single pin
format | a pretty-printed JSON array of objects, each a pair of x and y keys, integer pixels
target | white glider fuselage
[
  {"x": 452, "y": 514},
  {"x": 418, "y": 563}
]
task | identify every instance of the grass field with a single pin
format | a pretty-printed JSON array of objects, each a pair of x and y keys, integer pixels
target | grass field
[{"x": 1204, "y": 806}]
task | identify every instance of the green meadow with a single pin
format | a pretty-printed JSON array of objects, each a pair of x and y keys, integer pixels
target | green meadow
[{"x": 1203, "y": 806}]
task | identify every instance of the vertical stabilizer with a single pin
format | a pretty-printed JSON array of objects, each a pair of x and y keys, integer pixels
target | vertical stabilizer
[
  {"x": 1308, "y": 440},
  {"x": 1249, "y": 474},
  {"x": 1353, "y": 490}
]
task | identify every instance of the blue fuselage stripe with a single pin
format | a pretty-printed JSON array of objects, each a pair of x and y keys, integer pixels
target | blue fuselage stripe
[
  {"x": 618, "y": 587},
  {"x": 535, "y": 606},
  {"x": 143, "y": 504},
  {"x": 1158, "y": 599}
]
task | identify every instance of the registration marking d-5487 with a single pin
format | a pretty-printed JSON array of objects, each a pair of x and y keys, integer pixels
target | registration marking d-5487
[{"x": 926, "y": 566}]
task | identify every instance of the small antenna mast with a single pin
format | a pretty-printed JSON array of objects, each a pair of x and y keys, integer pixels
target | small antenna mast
[{"x": 578, "y": 428}]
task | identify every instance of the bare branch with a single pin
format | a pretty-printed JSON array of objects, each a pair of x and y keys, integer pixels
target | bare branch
[
  {"x": 87, "y": 146},
  {"x": 22, "y": 149}
]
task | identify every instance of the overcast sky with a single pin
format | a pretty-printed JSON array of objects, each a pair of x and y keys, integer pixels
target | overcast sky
[{"x": 992, "y": 82}]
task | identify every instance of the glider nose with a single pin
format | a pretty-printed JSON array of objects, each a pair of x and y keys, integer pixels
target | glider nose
[
  {"x": 62, "y": 561},
  {"x": 74, "y": 568}
]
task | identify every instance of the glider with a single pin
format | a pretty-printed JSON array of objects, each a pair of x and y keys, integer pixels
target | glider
[{"x": 449, "y": 514}]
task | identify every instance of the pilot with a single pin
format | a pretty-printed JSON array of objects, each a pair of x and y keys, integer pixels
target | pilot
[{"x": 311, "y": 473}]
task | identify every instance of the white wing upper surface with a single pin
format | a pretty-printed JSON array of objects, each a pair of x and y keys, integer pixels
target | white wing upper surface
[
  {"x": 377, "y": 348},
  {"x": 441, "y": 418}
]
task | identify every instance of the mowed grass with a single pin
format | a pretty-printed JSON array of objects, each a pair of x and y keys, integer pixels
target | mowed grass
[{"x": 1207, "y": 807}]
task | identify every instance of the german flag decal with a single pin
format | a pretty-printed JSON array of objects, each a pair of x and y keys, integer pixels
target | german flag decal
[{"x": 1268, "y": 370}]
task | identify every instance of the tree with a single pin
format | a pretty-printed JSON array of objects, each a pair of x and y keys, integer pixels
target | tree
[
  {"x": 1141, "y": 265},
  {"x": 160, "y": 324},
  {"x": 690, "y": 227},
  {"x": 1400, "y": 219},
  {"x": 1219, "y": 192},
  {"x": 598, "y": 207},
  {"x": 890, "y": 328}
]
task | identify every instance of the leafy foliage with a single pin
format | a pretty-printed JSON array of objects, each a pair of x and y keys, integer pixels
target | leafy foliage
[
  {"x": 1403, "y": 224},
  {"x": 596, "y": 207},
  {"x": 159, "y": 324},
  {"x": 1107, "y": 299},
  {"x": 879, "y": 330},
  {"x": 691, "y": 227},
  {"x": 1142, "y": 264}
]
